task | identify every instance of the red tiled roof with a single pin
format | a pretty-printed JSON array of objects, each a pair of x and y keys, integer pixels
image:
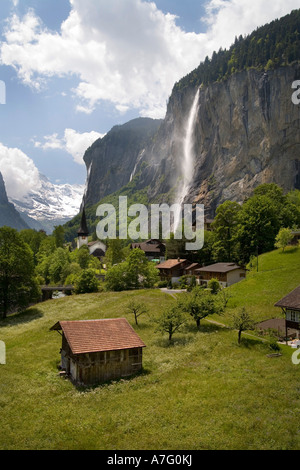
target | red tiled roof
[
  {"x": 86, "y": 336},
  {"x": 170, "y": 263}
]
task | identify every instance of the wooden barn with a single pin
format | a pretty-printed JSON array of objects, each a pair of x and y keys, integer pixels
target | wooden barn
[{"x": 96, "y": 351}]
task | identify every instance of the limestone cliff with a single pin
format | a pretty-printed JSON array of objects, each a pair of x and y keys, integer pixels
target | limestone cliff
[
  {"x": 112, "y": 160},
  {"x": 247, "y": 133}
]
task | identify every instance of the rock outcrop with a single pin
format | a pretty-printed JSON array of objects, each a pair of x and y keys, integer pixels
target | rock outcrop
[
  {"x": 111, "y": 161},
  {"x": 9, "y": 216}
]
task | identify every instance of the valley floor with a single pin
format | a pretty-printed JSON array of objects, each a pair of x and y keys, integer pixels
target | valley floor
[{"x": 202, "y": 392}]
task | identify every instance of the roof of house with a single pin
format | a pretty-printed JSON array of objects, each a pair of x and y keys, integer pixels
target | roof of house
[
  {"x": 170, "y": 263},
  {"x": 87, "y": 336},
  {"x": 150, "y": 246},
  {"x": 292, "y": 300},
  {"x": 192, "y": 266},
  {"x": 220, "y": 268}
]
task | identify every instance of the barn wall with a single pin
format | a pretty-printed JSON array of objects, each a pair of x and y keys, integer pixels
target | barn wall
[{"x": 93, "y": 368}]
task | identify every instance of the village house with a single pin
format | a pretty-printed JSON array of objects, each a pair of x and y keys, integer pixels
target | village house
[
  {"x": 154, "y": 249},
  {"x": 296, "y": 237},
  {"x": 96, "y": 248},
  {"x": 190, "y": 269},
  {"x": 226, "y": 273},
  {"x": 96, "y": 351},
  {"x": 290, "y": 305},
  {"x": 172, "y": 269}
]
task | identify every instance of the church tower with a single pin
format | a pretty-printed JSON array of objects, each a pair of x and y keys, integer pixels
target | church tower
[{"x": 83, "y": 232}]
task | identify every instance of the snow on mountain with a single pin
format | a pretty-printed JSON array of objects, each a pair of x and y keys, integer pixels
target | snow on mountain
[{"x": 52, "y": 204}]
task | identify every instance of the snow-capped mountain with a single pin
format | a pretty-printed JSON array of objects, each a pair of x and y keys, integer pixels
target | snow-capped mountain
[{"x": 51, "y": 204}]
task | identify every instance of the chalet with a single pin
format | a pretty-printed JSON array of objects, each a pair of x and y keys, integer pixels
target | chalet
[
  {"x": 226, "y": 273},
  {"x": 290, "y": 305},
  {"x": 172, "y": 269},
  {"x": 154, "y": 249},
  {"x": 96, "y": 248},
  {"x": 190, "y": 269},
  {"x": 296, "y": 237},
  {"x": 96, "y": 351}
]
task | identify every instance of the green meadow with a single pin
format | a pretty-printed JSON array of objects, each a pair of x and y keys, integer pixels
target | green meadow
[{"x": 203, "y": 391}]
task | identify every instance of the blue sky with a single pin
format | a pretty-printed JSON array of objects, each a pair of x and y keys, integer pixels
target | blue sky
[{"x": 75, "y": 68}]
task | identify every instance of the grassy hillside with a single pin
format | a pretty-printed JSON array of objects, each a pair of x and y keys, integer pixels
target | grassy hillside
[
  {"x": 278, "y": 274},
  {"x": 203, "y": 392}
]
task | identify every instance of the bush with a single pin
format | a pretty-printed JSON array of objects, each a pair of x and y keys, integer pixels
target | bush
[
  {"x": 161, "y": 284},
  {"x": 214, "y": 285},
  {"x": 176, "y": 285},
  {"x": 86, "y": 282},
  {"x": 274, "y": 346}
]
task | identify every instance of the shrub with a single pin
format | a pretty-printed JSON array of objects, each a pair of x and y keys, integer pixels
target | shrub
[{"x": 86, "y": 282}]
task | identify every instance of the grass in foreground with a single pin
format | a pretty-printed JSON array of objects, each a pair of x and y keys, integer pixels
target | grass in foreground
[{"x": 202, "y": 392}]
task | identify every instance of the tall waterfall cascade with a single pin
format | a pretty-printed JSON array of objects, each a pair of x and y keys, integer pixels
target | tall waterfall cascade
[{"x": 187, "y": 164}]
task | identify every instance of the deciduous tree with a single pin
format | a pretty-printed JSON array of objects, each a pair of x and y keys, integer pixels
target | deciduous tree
[{"x": 18, "y": 285}]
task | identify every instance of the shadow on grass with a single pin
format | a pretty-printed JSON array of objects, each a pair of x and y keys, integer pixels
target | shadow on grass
[
  {"x": 288, "y": 251},
  {"x": 21, "y": 318},
  {"x": 103, "y": 385},
  {"x": 205, "y": 328},
  {"x": 250, "y": 343},
  {"x": 141, "y": 326},
  {"x": 176, "y": 341}
]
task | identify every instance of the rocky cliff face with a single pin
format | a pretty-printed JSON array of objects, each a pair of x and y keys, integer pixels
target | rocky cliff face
[
  {"x": 8, "y": 214},
  {"x": 247, "y": 132},
  {"x": 111, "y": 161}
]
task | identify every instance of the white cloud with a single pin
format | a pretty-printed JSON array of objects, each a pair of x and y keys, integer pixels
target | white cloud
[
  {"x": 73, "y": 142},
  {"x": 128, "y": 53},
  {"x": 19, "y": 172}
]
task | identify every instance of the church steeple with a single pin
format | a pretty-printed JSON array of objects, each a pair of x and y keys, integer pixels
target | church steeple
[{"x": 83, "y": 232}]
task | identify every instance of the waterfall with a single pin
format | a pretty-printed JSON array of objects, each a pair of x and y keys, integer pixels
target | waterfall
[
  {"x": 87, "y": 183},
  {"x": 140, "y": 156},
  {"x": 187, "y": 164}
]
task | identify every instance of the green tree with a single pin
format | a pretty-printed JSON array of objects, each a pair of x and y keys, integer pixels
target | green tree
[
  {"x": 18, "y": 285},
  {"x": 242, "y": 321},
  {"x": 115, "y": 252},
  {"x": 86, "y": 282},
  {"x": 59, "y": 236},
  {"x": 199, "y": 303},
  {"x": 58, "y": 266},
  {"x": 214, "y": 286},
  {"x": 83, "y": 256},
  {"x": 33, "y": 239},
  {"x": 117, "y": 278},
  {"x": 133, "y": 273},
  {"x": 225, "y": 229},
  {"x": 258, "y": 226},
  {"x": 170, "y": 321},
  {"x": 137, "y": 309},
  {"x": 283, "y": 238}
]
